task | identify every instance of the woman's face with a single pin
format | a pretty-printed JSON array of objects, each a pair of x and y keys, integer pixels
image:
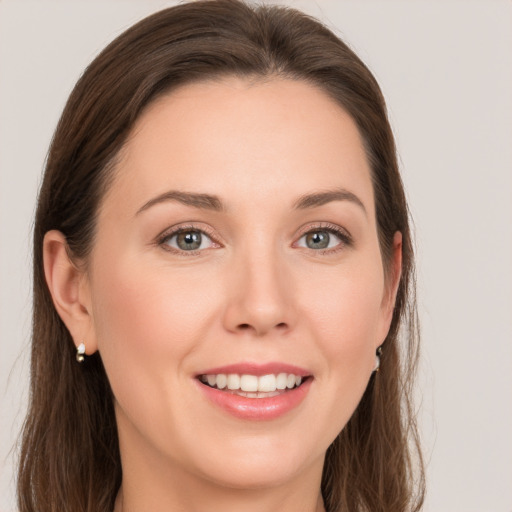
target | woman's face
[{"x": 238, "y": 239}]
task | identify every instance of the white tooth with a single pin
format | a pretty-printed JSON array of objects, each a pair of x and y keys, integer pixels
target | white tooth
[
  {"x": 267, "y": 383},
  {"x": 222, "y": 380},
  {"x": 233, "y": 381},
  {"x": 204, "y": 378},
  {"x": 281, "y": 381},
  {"x": 248, "y": 394},
  {"x": 211, "y": 380},
  {"x": 249, "y": 383},
  {"x": 298, "y": 380},
  {"x": 290, "y": 381}
]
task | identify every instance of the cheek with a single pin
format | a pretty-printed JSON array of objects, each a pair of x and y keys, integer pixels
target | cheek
[
  {"x": 351, "y": 312},
  {"x": 146, "y": 304},
  {"x": 347, "y": 322},
  {"x": 147, "y": 319}
]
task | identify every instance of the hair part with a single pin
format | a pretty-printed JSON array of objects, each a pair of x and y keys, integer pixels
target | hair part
[{"x": 69, "y": 457}]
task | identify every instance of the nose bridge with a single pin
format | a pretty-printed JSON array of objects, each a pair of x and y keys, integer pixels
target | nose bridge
[{"x": 259, "y": 298}]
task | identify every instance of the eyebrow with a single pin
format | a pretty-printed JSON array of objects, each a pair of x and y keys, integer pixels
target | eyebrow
[
  {"x": 212, "y": 202},
  {"x": 320, "y": 198},
  {"x": 203, "y": 201}
]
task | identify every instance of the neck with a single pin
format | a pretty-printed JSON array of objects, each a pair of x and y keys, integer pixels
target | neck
[{"x": 254, "y": 503}]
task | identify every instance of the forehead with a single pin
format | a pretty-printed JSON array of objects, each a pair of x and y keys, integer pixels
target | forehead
[{"x": 237, "y": 138}]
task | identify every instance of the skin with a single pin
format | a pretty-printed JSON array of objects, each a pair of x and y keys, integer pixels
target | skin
[{"x": 255, "y": 292}]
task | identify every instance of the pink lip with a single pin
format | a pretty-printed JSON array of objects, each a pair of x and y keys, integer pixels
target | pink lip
[
  {"x": 257, "y": 409},
  {"x": 257, "y": 369}
]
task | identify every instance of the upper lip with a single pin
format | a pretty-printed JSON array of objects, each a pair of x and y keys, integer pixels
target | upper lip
[{"x": 258, "y": 369}]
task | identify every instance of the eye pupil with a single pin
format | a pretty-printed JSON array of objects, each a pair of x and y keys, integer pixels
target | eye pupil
[
  {"x": 189, "y": 240},
  {"x": 317, "y": 240}
]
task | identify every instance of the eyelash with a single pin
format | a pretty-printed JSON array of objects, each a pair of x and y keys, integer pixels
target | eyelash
[
  {"x": 161, "y": 241},
  {"x": 333, "y": 229},
  {"x": 343, "y": 235}
]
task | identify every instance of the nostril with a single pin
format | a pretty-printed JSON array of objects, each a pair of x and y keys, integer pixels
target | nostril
[{"x": 245, "y": 327}]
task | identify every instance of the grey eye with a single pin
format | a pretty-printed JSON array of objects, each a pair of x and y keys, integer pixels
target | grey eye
[
  {"x": 189, "y": 240},
  {"x": 320, "y": 239},
  {"x": 317, "y": 240}
]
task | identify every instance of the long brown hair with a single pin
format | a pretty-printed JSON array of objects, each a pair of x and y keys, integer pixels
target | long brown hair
[{"x": 69, "y": 457}]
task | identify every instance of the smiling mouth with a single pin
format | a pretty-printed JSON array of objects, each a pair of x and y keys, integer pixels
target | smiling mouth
[{"x": 253, "y": 386}]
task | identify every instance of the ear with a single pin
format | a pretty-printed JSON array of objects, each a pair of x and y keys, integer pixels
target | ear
[
  {"x": 391, "y": 285},
  {"x": 69, "y": 289}
]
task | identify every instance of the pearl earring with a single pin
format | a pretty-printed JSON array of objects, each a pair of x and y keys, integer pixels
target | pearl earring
[
  {"x": 377, "y": 359},
  {"x": 80, "y": 351}
]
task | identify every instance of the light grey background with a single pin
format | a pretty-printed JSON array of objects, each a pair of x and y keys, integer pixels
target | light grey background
[{"x": 446, "y": 70}]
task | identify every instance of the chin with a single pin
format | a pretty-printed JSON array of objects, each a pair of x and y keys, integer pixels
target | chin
[
  {"x": 263, "y": 464},
  {"x": 254, "y": 476}
]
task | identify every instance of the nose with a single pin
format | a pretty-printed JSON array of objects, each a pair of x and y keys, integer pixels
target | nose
[{"x": 259, "y": 296}]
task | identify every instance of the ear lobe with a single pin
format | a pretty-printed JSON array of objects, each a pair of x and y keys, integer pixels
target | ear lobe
[{"x": 68, "y": 288}]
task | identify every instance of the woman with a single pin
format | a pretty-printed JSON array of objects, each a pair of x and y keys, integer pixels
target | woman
[{"x": 222, "y": 264}]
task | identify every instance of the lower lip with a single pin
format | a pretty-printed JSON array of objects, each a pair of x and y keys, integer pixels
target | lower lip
[{"x": 257, "y": 409}]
